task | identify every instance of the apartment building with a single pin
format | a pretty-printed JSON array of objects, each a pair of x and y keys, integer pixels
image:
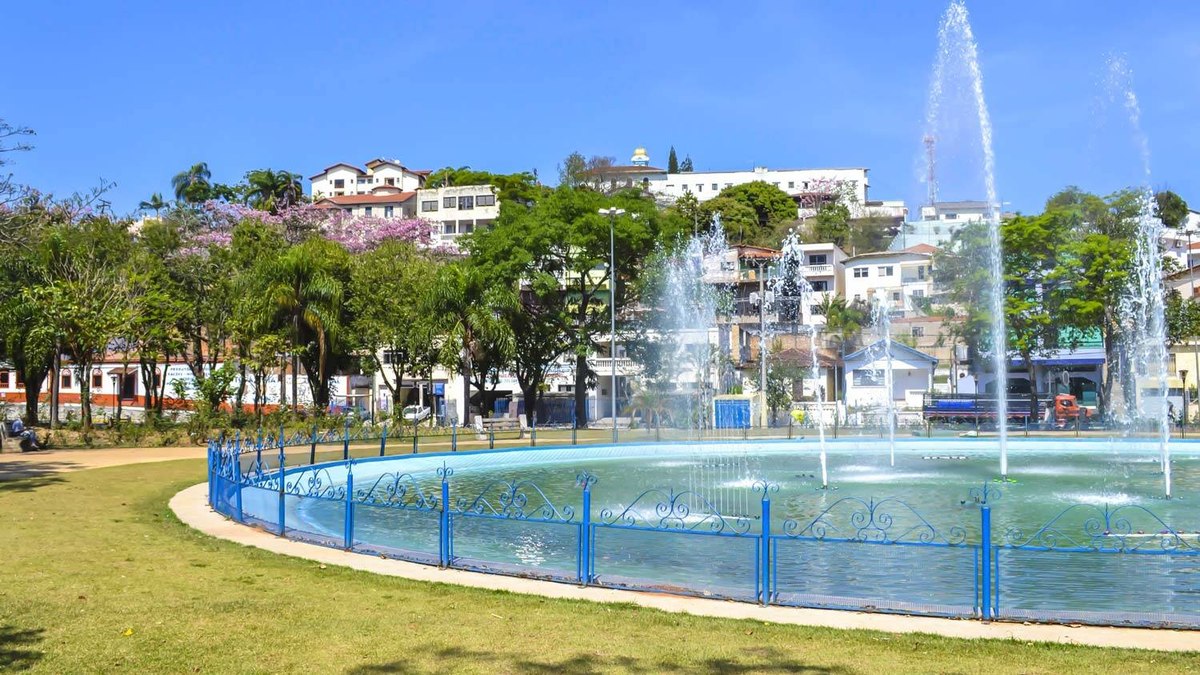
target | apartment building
[
  {"x": 341, "y": 179},
  {"x": 457, "y": 210},
  {"x": 901, "y": 280}
]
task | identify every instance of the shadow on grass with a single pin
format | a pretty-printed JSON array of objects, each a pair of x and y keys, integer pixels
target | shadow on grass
[
  {"x": 16, "y": 644},
  {"x": 27, "y": 476},
  {"x": 758, "y": 660}
]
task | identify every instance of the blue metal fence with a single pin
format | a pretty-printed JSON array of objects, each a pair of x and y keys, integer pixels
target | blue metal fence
[{"x": 874, "y": 555}]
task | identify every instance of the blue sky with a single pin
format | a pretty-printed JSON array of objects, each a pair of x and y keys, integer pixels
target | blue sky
[{"x": 135, "y": 92}]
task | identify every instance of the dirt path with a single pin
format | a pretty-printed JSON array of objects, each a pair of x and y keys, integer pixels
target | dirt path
[{"x": 44, "y": 462}]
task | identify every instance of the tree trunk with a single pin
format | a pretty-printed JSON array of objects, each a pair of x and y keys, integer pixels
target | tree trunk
[
  {"x": 34, "y": 379},
  {"x": 465, "y": 373},
  {"x": 1033, "y": 399},
  {"x": 84, "y": 373},
  {"x": 581, "y": 418}
]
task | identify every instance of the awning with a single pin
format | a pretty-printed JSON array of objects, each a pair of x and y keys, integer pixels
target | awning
[
  {"x": 1079, "y": 361},
  {"x": 129, "y": 370}
]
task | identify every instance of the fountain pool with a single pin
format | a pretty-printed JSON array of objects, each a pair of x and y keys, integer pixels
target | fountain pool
[{"x": 1076, "y": 534}]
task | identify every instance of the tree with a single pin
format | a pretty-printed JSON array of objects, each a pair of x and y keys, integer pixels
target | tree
[
  {"x": 1170, "y": 208},
  {"x": 576, "y": 171},
  {"x": 83, "y": 295},
  {"x": 521, "y": 188},
  {"x": 395, "y": 323},
  {"x": 672, "y": 161},
  {"x": 476, "y": 337},
  {"x": 784, "y": 376},
  {"x": 739, "y": 220},
  {"x": 565, "y": 238},
  {"x": 155, "y": 204},
  {"x": 832, "y": 223},
  {"x": 872, "y": 233},
  {"x": 306, "y": 288},
  {"x": 686, "y": 165},
  {"x": 194, "y": 185},
  {"x": 10, "y": 141},
  {"x": 771, "y": 205},
  {"x": 273, "y": 191}
]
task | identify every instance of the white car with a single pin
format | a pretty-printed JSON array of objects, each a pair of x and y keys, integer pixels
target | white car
[{"x": 415, "y": 413}]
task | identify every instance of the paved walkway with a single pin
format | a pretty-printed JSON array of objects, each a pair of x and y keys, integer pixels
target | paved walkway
[
  {"x": 192, "y": 508},
  {"x": 45, "y": 462}
]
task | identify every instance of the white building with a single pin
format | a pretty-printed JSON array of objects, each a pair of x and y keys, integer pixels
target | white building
[
  {"x": 900, "y": 279},
  {"x": 388, "y": 202},
  {"x": 343, "y": 179},
  {"x": 808, "y": 187},
  {"x": 937, "y": 223},
  {"x": 866, "y": 378},
  {"x": 457, "y": 210}
]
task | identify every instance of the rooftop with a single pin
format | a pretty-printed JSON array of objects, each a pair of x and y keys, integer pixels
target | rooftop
[{"x": 355, "y": 200}]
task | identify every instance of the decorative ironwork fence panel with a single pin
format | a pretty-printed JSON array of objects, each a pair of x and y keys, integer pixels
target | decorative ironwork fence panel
[{"x": 676, "y": 561}]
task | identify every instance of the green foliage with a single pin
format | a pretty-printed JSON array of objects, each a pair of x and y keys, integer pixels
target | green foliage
[
  {"x": 194, "y": 185},
  {"x": 269, "y": 190},
  {"x": 832, "y": 223},
  {"x": 771, "y": 205},
  {"x": 672, "y": 161},
  {"x": 686, "y": 165},
  {"x": 1170, "y": 208},
  {"x": 521, "y": 188},
  {"x": 784, "y": 376}
]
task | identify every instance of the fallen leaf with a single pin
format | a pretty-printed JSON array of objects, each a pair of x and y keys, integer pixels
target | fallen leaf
[{"x": 128, "y": 632}]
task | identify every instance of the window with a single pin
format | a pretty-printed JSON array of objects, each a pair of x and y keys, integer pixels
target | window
[
  {"x": 429, "y": 205},
  {"x": 885, "y": 271},
  {"x": 4, "y": 378},
  {"x": 466, "y": 203},
  {"x": 466, "y": 226},
  {"x": 97, "y": 380},
  {"x": 791, "y": 184},
  {"x": 820, "y": 286},
  {"x": 816, "y": 310},
  {"x": 349, "y": 212},
  {"x": 714, "y": 187},
  {"x": 448, "y": 227},
  {"x": 389, "y": 181},
  {"x": 485, "y": 200},
  {"x": 388, "y": 211},
  {"x": 818, "y": 259},
  {"x": 339, "y": 183},
  {"x": 895, "y": 296},
  {"x": 918, "y": 292},
  {"x": 669, "y": 186},
  {"x": 775, "y": 183},
  {"x": 918, "y": 331},
  {"x": 699, "y": 187},
  {"x": 729, "y": 185},
  {"x": 868, "y": 377},
  {"x": 64, "y": 382},
  {"x": 339, "y": 193},
  {"x": 921, "y": 272},
  {"x": 448, "y": 202},
  {"x": 860, "y": 272},
  {"x": 367, "y": 211},
  {"x": 362, "y": 181},
  {"x": 951, "y": 216}
]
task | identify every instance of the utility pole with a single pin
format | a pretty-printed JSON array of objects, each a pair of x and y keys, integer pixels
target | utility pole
[{"x": 762, "y": 341}]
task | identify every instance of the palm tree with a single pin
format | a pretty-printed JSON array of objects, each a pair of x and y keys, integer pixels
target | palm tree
[
  {"x": 155, "y": 204},
  {"x": 652, "y": 403},
  {"x": 273, "y": 190},
  {"x": 304, "y": 291},
  {"x": 193, "y": 186}
]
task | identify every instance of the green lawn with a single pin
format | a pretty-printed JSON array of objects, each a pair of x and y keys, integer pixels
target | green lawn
[{"x": 96, "y": 574}]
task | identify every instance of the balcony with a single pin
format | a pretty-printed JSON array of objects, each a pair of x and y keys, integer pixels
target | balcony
[
  {"x": 602, "y": 365},
  {"x": 817, "y": 270}
]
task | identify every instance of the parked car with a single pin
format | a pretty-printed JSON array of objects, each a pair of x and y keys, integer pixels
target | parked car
[{"x": 415, "y": 413}]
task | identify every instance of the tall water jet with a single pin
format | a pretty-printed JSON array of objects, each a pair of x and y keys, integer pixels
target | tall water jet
[
  {"x": 791, "y": 293},
  {"x": 956, "y": 72},
  {"x": 882, "y": 318},
  {"x": 1145, "y": 333},
  {"x": 690, "y": 297}
]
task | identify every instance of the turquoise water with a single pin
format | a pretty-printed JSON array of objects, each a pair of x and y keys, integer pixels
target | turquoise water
[{"x": 931, "y": 495}]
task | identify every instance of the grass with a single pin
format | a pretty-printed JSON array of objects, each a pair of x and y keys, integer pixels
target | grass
[{"x": 98, "y": 575}]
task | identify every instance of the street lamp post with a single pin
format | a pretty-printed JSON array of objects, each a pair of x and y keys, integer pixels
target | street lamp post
[
  {"x": 1183, "y": 420},
  {"x": 612, "y": 214}
]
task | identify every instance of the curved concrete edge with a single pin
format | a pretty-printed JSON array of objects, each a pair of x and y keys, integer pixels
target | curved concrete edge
[{"x": 191, "y": 507}]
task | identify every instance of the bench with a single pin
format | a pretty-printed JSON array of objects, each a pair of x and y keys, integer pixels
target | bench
[{"x": 485, "y": 426}]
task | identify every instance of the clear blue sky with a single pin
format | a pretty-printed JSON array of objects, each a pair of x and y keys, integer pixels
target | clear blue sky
[{"x": 138, "y": 93}]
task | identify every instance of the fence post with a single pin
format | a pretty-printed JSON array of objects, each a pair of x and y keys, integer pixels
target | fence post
[
  {"x": 765, "y": 551},
  {"x": 985, "y": 553},
  {"x": 312, "y": 448},
  {"x": 346, "y": 441},
  {"x": 383, "y": 441},
  {"x": 585, "y": 531},
  {"x": 444, "y": 524},
  {"x": 574, "y": 429},
  {"x": 281, "y": 482},
  {"x": 454, "y": 435},
  {"x": 237, "y": 476},
  {"x": 533, "y": 430},
  {"x": 491, "y": 438},
  {"x": 416, "y": 430},
  {"x": 349, "y": 525}
]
